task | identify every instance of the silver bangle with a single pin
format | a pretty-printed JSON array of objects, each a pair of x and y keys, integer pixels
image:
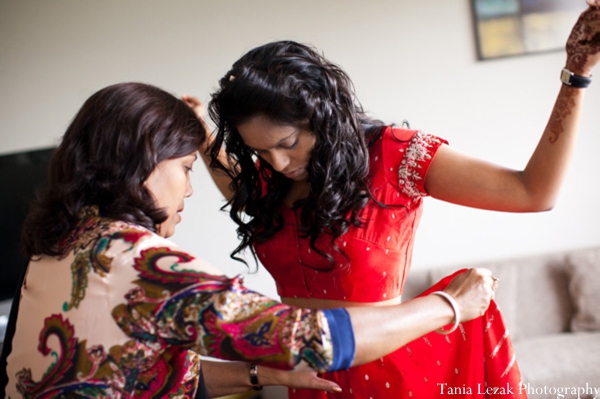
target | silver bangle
[{"x": 454, "y": 305}]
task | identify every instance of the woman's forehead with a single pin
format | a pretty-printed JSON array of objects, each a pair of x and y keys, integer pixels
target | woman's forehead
[{"x": 262, "y": 133}]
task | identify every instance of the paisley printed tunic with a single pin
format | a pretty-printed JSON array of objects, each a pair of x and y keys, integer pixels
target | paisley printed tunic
[{"x": 125, "y": 313}]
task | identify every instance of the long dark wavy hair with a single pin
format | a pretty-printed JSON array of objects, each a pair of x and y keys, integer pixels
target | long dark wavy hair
[
  {"x": 109, "y": 150},
  {"x": 291, "y": 83}
]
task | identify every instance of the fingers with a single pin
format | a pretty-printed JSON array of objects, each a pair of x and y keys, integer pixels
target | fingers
[
  {"x": 489, "y": 277},
  {"x": 195, "y": 104},
  {"x": 583, "y": 44},
  {"x": 483, "y": 271},
  {"x": 471, "y": 278},
  {"x": 492, "y": 282},
  {"x": 495, "y": 283},
  {"x": 310, "y": 380},
  {"x": 473, "y": 290},
  {"x": 326, "y": 385},
  {"x": 191, "y": 101}
]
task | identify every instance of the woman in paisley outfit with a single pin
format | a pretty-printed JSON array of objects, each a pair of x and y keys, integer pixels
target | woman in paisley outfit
[
  {"x": 329, "y": 200},
  {"x": 110, "y": 308}
]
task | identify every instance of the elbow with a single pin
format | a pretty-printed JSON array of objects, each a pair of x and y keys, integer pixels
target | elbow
[
  {"x": 547, "y": 207},
  {"x": 535, "y": 194},
  {"x": 541, "y": 205},
  {"x": 538, "y": 198},
  {"x": 540, "y": 209}
]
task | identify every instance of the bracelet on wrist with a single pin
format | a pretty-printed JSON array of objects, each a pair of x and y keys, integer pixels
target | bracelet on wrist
[
  {"x": 253, "y": 373},
  {"x": 454, "y": 305}
]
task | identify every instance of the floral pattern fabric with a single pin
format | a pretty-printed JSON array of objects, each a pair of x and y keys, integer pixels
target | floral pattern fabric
[{"x": 125, "y": 313}]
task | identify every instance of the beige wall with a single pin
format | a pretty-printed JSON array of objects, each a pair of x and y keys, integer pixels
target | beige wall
[{"x": 409, "y": 59}]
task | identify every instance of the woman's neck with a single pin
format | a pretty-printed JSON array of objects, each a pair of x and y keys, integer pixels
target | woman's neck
[{"x": 298, "y": 191}]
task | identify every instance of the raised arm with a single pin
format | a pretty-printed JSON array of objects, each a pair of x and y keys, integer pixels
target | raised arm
[
  {"x": 221, "y": 179},
  {"x": 471, "y": 182}
]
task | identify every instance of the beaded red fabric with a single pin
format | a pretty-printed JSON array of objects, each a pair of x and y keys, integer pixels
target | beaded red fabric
[
  {"x": 465, "y": 363},
  {"x": 378, "y": 253}
]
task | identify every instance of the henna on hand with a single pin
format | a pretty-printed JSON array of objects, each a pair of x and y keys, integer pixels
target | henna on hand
[
  {"x": 583, "y": 45},
  {"x": 583, "y": 53},
  {"x": 561, "y": 111}
]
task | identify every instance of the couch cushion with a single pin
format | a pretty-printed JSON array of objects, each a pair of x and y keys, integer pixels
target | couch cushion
[
  {"x": 543, "y": 300},
  {"x": 584, "y": 287},
  {"x": 559, "y": 361}
]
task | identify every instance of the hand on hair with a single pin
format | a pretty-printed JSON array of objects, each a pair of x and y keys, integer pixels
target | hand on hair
[
  {"x": 583, "y": 45},
  {"x": 200, "y": 111},
  {"x": 197, "y": 105}
]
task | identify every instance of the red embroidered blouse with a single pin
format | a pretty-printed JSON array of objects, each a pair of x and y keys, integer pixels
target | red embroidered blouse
[{"x": 379, "y": 252}]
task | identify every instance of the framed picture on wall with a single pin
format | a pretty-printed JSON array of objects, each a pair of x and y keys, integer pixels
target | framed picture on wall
[{"x": 514, "y": 27}]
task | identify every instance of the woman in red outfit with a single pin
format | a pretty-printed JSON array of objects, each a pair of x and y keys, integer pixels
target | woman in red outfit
[{"x": 332, "y": 200}]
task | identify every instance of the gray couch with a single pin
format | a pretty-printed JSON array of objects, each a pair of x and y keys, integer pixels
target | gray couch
[{"x": 551, "y": 305}]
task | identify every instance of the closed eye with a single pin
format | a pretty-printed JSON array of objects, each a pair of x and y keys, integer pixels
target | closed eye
[
  {"x": 282, "y": 144},
  {"x": 289, "y": 147}
]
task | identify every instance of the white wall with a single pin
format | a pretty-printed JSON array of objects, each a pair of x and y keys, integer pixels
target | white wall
[{"x": 408, "y": 59}]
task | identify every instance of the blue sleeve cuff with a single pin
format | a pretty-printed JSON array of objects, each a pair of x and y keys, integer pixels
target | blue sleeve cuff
[{"x": 342, "y": 338}]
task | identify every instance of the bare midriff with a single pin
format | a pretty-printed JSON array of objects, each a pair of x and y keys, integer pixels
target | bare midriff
[{"x": 315, "y": 303}]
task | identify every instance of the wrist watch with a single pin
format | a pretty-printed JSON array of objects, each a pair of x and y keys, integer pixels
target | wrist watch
[
  {"x": 254, "y": 377},
  {"x": 577, "y": 81}
]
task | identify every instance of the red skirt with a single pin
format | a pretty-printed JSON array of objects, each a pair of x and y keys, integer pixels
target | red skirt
[{"x": 475, "y": 361}]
